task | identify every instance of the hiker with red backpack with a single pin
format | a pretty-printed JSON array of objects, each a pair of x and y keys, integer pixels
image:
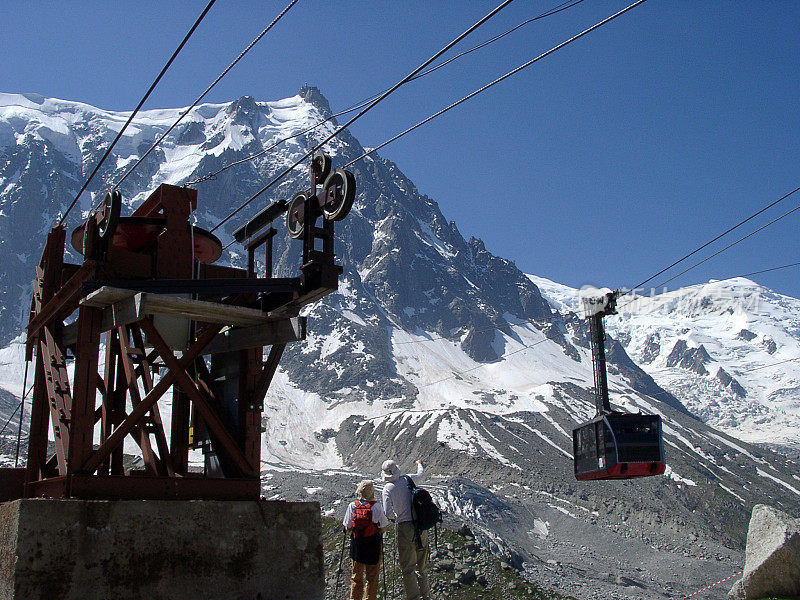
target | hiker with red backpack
[
  {"x": 414, "y": 512},
  {"x": 366, "y": 521}
]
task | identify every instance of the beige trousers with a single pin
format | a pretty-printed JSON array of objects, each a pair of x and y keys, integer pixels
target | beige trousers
[
  {"x": 413, "y": 562},
  {"x": 372, "y": 573}
]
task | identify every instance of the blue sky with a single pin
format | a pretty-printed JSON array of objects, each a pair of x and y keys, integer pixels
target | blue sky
[{"x": 600, "y": 164}]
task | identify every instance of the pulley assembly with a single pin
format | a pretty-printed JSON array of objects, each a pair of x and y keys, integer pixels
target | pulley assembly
[{"x": 333, "y": 203}]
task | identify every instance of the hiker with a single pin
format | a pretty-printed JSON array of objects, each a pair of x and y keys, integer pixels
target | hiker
[
  {"x": 366, "y": 521},
  {"x": 411, "y": 548}
]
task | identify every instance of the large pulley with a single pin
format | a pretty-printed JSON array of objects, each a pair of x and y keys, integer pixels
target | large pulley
[
  {"x": 101, "y": 224},
  {"x": 106, "y": 230},
  {"x": 108, "y": 214},
  {"x": 295, "y": 216},
  {"x": 339, "y": 192},
  {"x": 333, "y": 203},
  {"x": 321, "y": 166}
]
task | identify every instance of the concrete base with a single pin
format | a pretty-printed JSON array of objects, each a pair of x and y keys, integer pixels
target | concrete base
[{"x": 171, "y": 550}]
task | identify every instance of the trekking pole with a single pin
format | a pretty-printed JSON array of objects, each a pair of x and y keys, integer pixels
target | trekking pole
[
  {"x": 398, "y": 571},
  {"x": 383, "y": 565},
  {"x": 391, "y": 572},
  {"x": 341, "y": 559}
]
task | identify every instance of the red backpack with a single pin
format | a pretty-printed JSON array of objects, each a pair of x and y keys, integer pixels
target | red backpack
[{"x": 362, "y": 520}]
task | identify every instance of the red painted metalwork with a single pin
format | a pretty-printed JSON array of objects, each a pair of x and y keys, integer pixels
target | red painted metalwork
[
  {"x": 92, "y": 413},
  {"x": 138, "y": 234},
  {"x": 625, "y": 471}
]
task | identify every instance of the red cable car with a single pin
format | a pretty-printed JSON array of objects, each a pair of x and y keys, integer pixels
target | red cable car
[{"x": 614, "y": 445}]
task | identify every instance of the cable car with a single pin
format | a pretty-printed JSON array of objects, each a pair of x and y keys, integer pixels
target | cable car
[
  {"x": 613, "y": 445},
  {"x": 618, "y": 446}
]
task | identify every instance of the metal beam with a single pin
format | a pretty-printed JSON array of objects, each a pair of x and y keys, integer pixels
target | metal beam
[
  {"x": 153, "y": 461},
  {"x": 268, "y": 334},
  {"x": 203, "y": 287},
  {"x": 87, "y": 350},
  {"x": 147, "y": 382},
  {"x": 63, "y": 302},
  {"x": 58, "y": 393},
  {"x": 268, "y": 373}
]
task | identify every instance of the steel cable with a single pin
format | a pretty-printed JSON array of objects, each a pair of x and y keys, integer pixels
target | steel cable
[
  {"x": 362, "y": 103},
  {"x": 22, "y": 413},
  {"x": 495, "y": 82},
  {"x": 8, "y": 421},
  {"x": 136, "y": 110},
  {"x": 366, "y": 109},
  {"x": 794, "y": 264},
  {"x": 767, "y": 366},
  {"x": 724, "y": 233},
  {"x": 19, "y": 405},
  {"x": 208, "y": 89},
  {"x": 731, "y": 245}
]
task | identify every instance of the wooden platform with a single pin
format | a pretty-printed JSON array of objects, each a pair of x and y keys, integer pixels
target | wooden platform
[
  {"x": 128, "y": 306},
  {"x": 250, "y": 327}
]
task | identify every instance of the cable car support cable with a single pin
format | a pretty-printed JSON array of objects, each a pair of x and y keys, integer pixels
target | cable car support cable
[
  {"x": 366, "y": 109},
  {"x": 207, "y": 90},
  {"x": 731, "y": 245},
  {"x": 362, "y": 103},
  {"x": 724, "y": 233},
  {"x": 496, "y": 81},
  {"x": 136, "y": 110}
]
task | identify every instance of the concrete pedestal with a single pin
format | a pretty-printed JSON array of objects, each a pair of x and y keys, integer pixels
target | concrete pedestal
[{"x": 171, "y": 550}]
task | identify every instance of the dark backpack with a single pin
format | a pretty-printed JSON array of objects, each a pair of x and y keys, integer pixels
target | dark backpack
[
  {"x": 424, "y": 512},
  {"x": 362, "y": 520}
]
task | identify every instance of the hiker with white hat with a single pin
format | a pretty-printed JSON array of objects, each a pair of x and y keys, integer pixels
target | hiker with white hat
[
  {"x": 366, "y": 521},
  {"x": 412, "y": 548}
]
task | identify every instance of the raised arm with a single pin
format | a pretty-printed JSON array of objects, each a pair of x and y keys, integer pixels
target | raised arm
[{"x": 420, "y": 474}]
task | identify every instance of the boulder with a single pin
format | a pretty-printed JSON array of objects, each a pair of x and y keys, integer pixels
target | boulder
[
  {"x": 467, "y": 577},
  {"x": 445, "y": 564},
  {"x": 772, "y": 556},
  {"x": 465, "y": 531}
]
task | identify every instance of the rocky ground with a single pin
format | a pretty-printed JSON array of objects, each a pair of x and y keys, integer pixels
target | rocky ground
[
  {"x": 545, "y": 541},
  {"x": 460, "y": 569}
]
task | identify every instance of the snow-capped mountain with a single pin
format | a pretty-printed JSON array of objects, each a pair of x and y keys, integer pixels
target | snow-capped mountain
[
  {"x": 433, "y": 347},
  {"x": 730, "y": 350}
]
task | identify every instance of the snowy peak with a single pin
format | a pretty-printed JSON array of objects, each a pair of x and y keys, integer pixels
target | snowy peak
[{"x": 312, "y": 95}]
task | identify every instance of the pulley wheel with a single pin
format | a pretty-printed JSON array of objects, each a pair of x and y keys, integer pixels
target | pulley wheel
[
  {"x": 338, "y": 204},
  {"x": 321, "y": 166},
  {"x": 295, "y": 216},
  {"x": 109, "y": 214}
]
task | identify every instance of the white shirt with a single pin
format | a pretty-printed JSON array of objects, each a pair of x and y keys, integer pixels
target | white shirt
[
  {"x": 397, "y": 496},
  {"x": 378, "y": 516}
]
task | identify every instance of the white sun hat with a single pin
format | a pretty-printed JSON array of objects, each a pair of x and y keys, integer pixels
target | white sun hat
[{"x": 390, "y": 471}]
